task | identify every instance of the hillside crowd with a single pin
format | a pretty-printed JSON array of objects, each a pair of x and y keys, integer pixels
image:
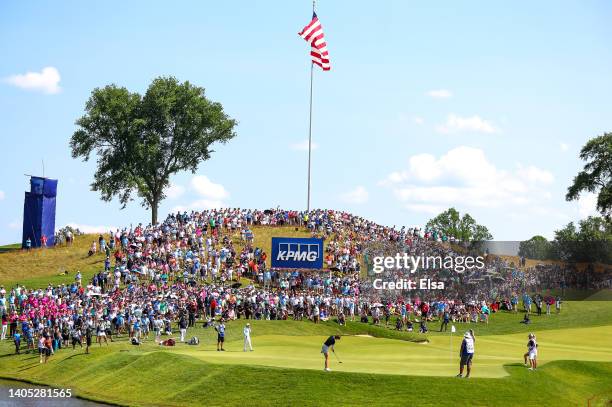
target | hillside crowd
[{"x": 164, "y": 278}]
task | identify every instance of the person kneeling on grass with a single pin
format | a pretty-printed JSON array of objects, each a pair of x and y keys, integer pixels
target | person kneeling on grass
[
  {"x": 466, "y": 353},
  {"x": 329, "y": 343},
  {"x": 526, "y": 319}
]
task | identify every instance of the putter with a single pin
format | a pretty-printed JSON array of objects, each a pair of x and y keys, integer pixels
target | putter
[{"x": 339, "y": 361}]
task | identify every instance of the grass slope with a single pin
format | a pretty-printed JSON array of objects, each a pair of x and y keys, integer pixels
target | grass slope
[
  {"x": 574, "y": 314},
  {"x": 169, "y": 379},
  {"x": 39, "y": 267}
]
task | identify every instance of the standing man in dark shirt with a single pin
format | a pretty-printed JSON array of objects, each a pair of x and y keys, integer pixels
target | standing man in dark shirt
[
  {"x": 466, "y": 353},
  {"x": 329, "y": 343}
]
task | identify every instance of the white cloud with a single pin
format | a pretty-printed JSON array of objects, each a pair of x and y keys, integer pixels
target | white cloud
[
  {"x": 535, "y": 174},
  {"x": 46, "y": 80},
  {"x": 1, "y": 195},
  {"x": 15, "y": 224},
  {"x": 175, "y": 191},
  {"x": 430, "y": 209},
  {"x": 208, "y": 189},
  {"x": 455, "y": 124},
  {"x": 464, "y": 176},
  {"x": 303, "y": 146},
  {"x": 440, "y": 94},
  {"x": 564, "y": 146},
  {"x": 359, "y": 195},
  {"x": 210, "y": 195},
  {"x": 199, "y": 205},
  {"x": 418, "y": 120},
  {"x": 587, "y": 205},
  {"x": 92, "y": 228}
]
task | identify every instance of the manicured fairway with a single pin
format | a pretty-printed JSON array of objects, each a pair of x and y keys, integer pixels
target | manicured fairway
[{"x": 437, "y": 358}]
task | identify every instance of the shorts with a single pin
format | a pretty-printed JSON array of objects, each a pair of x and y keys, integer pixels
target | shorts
[
  {"x": 467, "y": 359},
  {"x": 41, "y": 351},
  {"x": 533, "y": 355},
  {"x": 220, "y": 338},
  {"x": 325, "y": 349}
]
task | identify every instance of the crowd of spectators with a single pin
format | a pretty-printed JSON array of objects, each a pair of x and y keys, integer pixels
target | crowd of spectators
[{"x": 206, "y": 266}]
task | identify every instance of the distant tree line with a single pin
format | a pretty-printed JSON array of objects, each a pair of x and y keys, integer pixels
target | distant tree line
[{"x": 591, "y": 239}]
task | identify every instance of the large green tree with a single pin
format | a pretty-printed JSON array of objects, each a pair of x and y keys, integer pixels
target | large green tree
[
  {"x": 535, "y": 248},
  {"x": 596, "y": 176},
  {"x": 590, "y": 241},
  {"x": 140, "y": 141},
  {"x": 464, "y": 228}
]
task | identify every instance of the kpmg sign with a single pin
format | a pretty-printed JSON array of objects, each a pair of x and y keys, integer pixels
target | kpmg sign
[{"x": 297, "y": 253}]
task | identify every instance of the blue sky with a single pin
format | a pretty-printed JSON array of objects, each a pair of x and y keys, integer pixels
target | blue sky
[{"x": 479, "y": 105}]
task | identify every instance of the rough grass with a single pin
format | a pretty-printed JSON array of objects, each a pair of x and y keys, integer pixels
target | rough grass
[
  {"x": 574, "y": 314},
  {"x": 10, "y": 247},
  {"x": 39, "y": 267}
]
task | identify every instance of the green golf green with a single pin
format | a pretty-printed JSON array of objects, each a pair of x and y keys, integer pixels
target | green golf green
[{"x": 438, "y": 357}]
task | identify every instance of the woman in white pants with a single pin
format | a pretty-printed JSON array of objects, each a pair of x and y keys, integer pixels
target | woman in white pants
[
  {"x": 247, "y": 337},
  {"x": 532, "y": 352},
  {"x": 4, "y": 324}
]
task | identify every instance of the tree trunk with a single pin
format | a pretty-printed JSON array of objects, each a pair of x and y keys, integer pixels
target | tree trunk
[{"x": 154, "y": 212}]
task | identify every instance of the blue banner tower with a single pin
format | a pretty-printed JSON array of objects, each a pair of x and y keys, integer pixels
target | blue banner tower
[{"x": 39, "y": 212}]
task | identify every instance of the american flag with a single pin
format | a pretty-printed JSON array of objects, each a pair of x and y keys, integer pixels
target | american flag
[{"x": 313, "y": 34}]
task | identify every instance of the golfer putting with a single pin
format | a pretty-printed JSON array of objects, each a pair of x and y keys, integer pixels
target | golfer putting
[
  {"x": 466, "y": 353},
  {"x": 329, "y": 343}
]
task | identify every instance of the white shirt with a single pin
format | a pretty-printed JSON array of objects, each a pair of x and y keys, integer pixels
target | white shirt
[
  {"x": 246, "y": 331},
  {"x": 469, "y": 344}
]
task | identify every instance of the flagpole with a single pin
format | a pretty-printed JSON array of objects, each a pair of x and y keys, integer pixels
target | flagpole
[
  {"x": 450, "y": 346},
  {"x": 310, "y": 126}
]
